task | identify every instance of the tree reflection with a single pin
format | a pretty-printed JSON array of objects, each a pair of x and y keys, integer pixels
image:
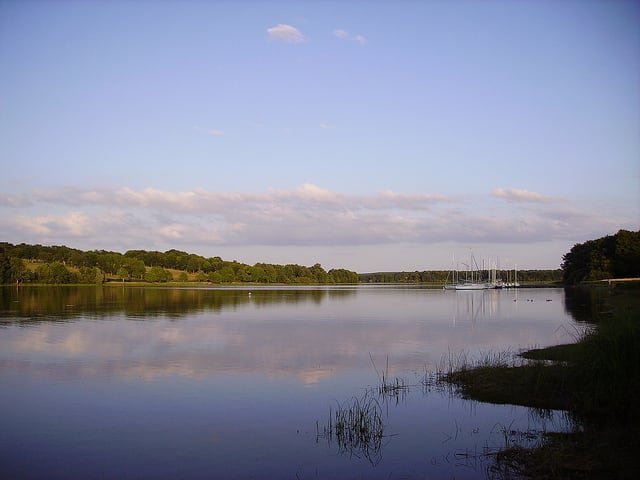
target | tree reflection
[
  {"x": 587, "y": 304},
  {"x": 29, "y": 304}
]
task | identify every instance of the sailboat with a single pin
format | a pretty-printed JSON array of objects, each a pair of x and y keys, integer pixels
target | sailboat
[
  {"x": 453, "y": 273},
  {"x": 515, "y": 283},
  {"x": 469, "y": 282}
]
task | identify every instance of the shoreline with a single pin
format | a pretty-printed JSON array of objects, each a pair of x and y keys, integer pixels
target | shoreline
[{"x": 595, "y": 380}]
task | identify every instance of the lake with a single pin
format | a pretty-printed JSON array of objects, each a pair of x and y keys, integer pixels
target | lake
[{"x": 236, "y": 383}]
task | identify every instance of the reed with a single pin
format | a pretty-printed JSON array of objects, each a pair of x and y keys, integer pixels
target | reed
[
  {"x": 389, "y": 386},
  {"x": 357, "y": 427}
]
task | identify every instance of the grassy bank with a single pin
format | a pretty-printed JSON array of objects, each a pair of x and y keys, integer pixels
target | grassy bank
[{"x": 597, "y": 380}]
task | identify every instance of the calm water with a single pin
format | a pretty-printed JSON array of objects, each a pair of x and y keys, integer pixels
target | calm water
[{"x": 236, "y": 383}]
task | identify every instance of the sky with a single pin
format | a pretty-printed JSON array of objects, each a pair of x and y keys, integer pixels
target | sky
[{"x": 374, "y": 136}]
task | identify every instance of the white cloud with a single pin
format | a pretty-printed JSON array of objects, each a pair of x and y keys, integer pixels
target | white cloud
[
  {"x": 173, "y": 231},
  {"x": 344, "y": 35},
  {"x": 341, "y": 33},
  {"x": 360, "y": 39},
  {"x": 14, "y": 201},
  {"x": 309, "y": 190},
  {"x": 73, "y": 224},
  {"x": 308, "y": 215},
  {"x": 216, "y": 133},
  {"x": 520, "y": 195},
  {"x": 327, "y": 126},
  {"x": 32, "y": 225},
  {"x": 285, "y": 33}
]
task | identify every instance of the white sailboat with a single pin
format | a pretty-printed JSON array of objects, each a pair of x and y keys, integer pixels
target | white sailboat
[
  {"x": 472, "y": 286},
  {"x": 472, "y": 280},
  {"x": 514, "y": 283}
]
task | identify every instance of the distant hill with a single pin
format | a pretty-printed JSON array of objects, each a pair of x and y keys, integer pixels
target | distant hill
[{"x": 26, "y": 263}]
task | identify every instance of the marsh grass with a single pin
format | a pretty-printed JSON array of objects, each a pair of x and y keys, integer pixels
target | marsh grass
[
  {"x": 596, "y": 380},
  {"x": 394, "y": 387},
  {"x": 607, "y": 367},
  {"x": 357, "y": 428}
]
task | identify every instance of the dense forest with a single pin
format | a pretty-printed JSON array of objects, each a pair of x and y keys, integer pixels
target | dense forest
[
  {"x": 25, "y": 263},
  {"x": 613, "y": 256},
  {"x": 439, "y": 277}
]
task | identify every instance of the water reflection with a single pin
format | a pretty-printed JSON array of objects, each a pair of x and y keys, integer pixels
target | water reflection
[
  {"x": 238, "y": 381},
  {"x": 65, "y": 303},
  {"x": 587, "y": 304},
  {"x": 308, "y": 334}
]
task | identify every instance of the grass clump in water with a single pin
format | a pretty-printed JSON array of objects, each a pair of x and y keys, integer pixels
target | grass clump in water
[
  {"x": 390, "y": 387},
  {"x": 357, "y": 427}
]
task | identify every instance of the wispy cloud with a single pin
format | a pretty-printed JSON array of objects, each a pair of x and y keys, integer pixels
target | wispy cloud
[
  {"x": 216, "y": 133},
  {"x": 522, "y": 196},
  {"x": 360, "y": 39},
  {"x": 338, "y": 32},
  {"x": 344, "y": 35},
  {"x": 14, "y": 201},
  {"x": 327, "y": 126},
  {"x": 74, "y": 224},
  {"x": 307, "y": 215},
  {"x": 285, "y": 33}
]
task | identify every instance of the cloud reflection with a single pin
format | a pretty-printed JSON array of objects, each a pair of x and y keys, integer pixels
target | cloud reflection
[{"x": 310, "y": 335}]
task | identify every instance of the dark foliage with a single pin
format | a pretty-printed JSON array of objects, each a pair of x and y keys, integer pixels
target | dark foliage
[
  {"x": 441, "y": 276},
  {"x": 613, "y": 256}
]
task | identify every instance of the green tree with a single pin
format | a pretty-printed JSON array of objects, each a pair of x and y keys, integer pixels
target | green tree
[
  {"x": 193, "y": 264},
  {"x": 17, "y": 271},
  {"x": 226, "y": 275},
  {"x": 610, "y": 256},
  {"x": 214, "y": 277},
  {"x": 87, "y": 275},
  {"x": 256, "y": 274},
  {"x": 5, "y": 268},
  {"x": 627, "y": 254},
  {"x": 99, "y": 276},
  {"x": 109, "y": 262},
  {"x": 135, "y": 267},
  {"x": 341, "y": 275},
  {"x": 157, "y": 274},
  {"x": 318, "y": 273},
  {"x": 55, "y": 273},
  {"x": 123, "y": 273}
]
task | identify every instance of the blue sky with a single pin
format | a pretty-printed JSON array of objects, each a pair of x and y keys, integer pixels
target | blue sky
[{"x": 369, "y": 135}]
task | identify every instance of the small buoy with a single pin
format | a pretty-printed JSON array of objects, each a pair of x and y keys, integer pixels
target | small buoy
[{"x": 249, "y": 293}]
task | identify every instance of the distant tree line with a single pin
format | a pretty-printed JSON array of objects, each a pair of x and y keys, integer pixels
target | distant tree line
[
  {"x": 612, "y": 256},
  {"x": 429, "y": 276},
  {"x": 439, "y": 277},
  {"x": 25, "y": 263}
]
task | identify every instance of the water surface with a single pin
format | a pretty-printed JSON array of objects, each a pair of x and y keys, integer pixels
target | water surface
[{"x": 238, "y": 383}]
